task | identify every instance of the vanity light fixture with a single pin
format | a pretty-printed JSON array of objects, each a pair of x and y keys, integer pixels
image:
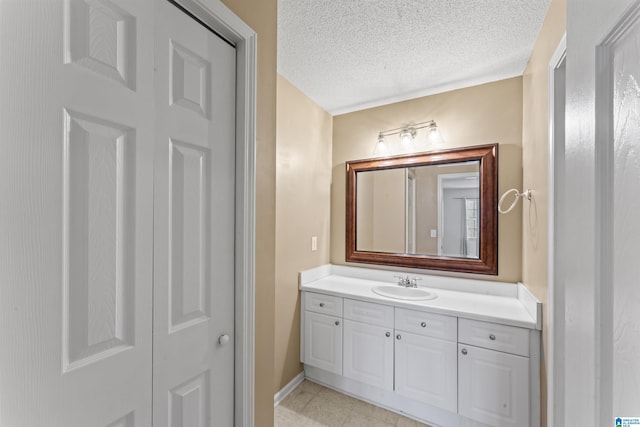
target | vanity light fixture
[{"x": 408, "y": 136}]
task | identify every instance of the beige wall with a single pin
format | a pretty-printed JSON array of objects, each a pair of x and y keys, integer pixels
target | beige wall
[
  {"x": 535, "y": 158},
  {"x": 364, "y": 212},
  {"x": 261, "y": 15},
  {"x": 303, "y": 183},
  {"x": 485, "y": 114},
  {"x": 380, "y": 223},
  {"x": 389, "y": 217},
  {"x": 426, "y": 210}
]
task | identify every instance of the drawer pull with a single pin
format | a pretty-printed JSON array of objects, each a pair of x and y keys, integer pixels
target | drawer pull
[
  {"x": 492, "y": 337},
  {"x": 464, "y": 351},
  {"x": 321, "y": 304},
  {"x": 399, "y": 336},
  {"x": 388, "y": 334},
  {"x": 337, "y": 323},
  {"x": 423, "y": 324}
]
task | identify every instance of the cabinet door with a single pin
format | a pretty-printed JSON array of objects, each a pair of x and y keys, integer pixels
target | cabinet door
[
  {"x": 368, "y": 354},
  {"x": 426, "y": 370},
  {"x": 493, "y": 387},
  {"x": 323, "y": 342}
]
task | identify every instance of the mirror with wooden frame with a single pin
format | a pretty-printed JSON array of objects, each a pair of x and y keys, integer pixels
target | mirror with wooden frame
[{"x": 435, "y": 210}]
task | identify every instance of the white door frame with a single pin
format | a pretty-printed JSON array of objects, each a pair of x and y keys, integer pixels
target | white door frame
[
  {"x": 555, "y": 321},
  {"x": 221, "y": 19}
]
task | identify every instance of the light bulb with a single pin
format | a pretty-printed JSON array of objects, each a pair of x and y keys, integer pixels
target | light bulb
[
  {"x": 435, "y": 137},
  {"x": 406, "y": 139},
  {"x": 381, "y": 149}
]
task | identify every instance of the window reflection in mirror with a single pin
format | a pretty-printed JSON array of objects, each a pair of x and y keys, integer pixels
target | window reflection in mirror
[{"x": 424, "y": 210}]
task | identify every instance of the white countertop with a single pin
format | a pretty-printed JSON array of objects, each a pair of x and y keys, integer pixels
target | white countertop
[{"x": 514, "y": 306}]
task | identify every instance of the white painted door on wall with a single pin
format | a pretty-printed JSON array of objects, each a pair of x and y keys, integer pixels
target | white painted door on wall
[
  {"x": 77, "y": 198},
  {"x": 601, "y": 272},
  {"x": 194, "y": 224},
  {"x": 78, "y": 134}
]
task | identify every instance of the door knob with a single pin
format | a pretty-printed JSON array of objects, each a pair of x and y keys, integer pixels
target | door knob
[{"x": 223, "y": 339}]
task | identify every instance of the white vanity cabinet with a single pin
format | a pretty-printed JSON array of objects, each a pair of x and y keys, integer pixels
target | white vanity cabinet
[
  {"x": 493, "y": 370},
  {"x": 464, "y": 359},
  {"x": 425, "y": 358},
  {"x": 323, "y": 330}
]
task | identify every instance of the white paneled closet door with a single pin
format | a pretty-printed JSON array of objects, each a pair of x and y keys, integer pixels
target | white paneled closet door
[
  {"x": 194, "y": 224},
  {"x": 77, "y": 196},
  {"x": 104, "y": 123}
]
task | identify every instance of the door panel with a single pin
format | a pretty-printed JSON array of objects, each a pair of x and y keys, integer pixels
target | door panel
[
  {"x": 76, "y": 266},
  {"x": 621, "y": 268},
  {"x": 99, "y": 240},
  {"x": 493, "y": 387},
  {"x": 601, "y": 170},
  {"x": 193, "y": 224},
  {"x": 368, "y": 354},
  {"x": 426, "y": 370},
  {"x": 323, "y": 342}
]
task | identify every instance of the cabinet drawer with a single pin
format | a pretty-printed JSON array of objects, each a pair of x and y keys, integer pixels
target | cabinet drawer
[
  {"x": 373, "y": 314},
  {"x": 324, "y": 304},
  {"x": 509, "y": 339},
  {"x": 427, "y": 324}
]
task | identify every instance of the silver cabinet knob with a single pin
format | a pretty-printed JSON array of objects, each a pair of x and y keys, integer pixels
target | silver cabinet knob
[
  {"x": 399, "y": 336},
  {"x": 423, "y": 324},
  {"x": 223, "y": 339},
  {"x": 492, "y": 337},
  {"x": 388, "y": 334},
  {"x": 321, "y": 304},
  {"x": 464, "y": 351},
  {"x": 337, "y": 323}
]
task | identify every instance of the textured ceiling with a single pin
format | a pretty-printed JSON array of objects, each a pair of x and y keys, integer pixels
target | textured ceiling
[{"x": 347, "y": 55}]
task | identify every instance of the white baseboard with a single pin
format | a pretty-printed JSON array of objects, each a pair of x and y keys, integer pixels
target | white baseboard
[{"x": 279, "y": 396}]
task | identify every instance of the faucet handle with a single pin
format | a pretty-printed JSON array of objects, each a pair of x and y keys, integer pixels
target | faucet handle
[
  {"x": 401, "y": 280},
  {"x": 414, "y": 282}
]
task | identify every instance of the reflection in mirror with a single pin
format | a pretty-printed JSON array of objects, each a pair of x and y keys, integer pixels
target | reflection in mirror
[
  {"x": 432, "y": 210},
  {"x": 427, "y": 210},
  {"x": 458, "y": 197}
]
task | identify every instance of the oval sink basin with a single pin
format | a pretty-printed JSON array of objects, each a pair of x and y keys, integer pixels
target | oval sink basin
[{"x": 400, "y": 292}]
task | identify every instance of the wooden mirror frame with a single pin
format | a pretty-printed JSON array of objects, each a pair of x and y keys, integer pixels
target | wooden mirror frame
[{"x": 487, "y": 263}]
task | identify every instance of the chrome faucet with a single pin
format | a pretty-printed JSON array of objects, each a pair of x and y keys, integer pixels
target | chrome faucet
[
  {"x": 407, "y": 282},
  {"x": 403, "y": 281}
]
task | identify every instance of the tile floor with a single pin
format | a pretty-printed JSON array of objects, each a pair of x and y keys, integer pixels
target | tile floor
[{"x": 311, "y": 405}]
